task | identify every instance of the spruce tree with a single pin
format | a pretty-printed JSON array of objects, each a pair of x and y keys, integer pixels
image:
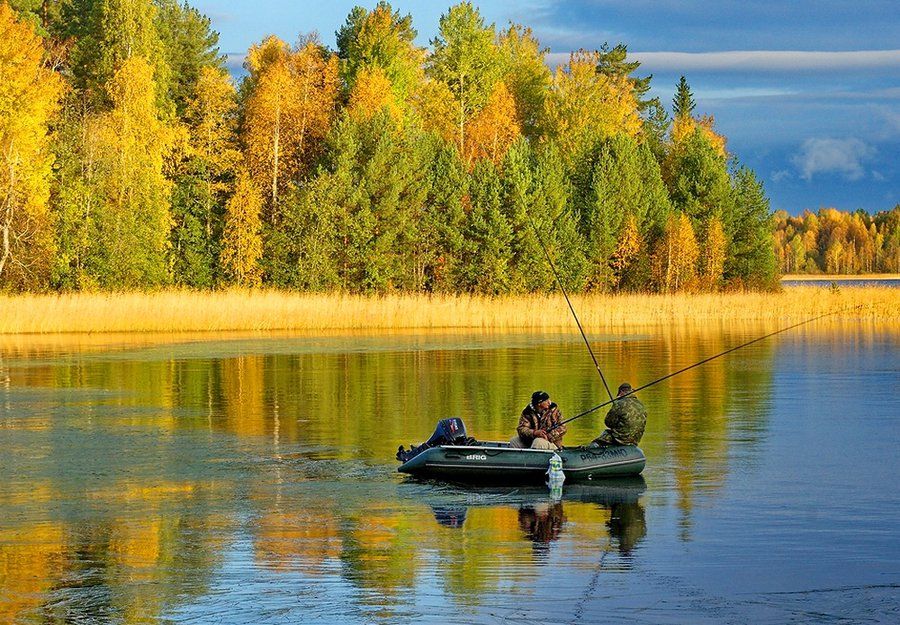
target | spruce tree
[
  {"x": 751, "y": 260},
  {"x": 683, "y": 103},
  {"x": 488, "y": 235}
]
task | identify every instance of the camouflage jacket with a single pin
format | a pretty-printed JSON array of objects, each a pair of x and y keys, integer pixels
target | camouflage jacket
[
  {"x": 625, "y": 422},
  {"x": 532, "y": 419}
]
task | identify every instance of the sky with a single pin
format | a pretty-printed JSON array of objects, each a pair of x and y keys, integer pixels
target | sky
[{"x": 806, "y": 91}]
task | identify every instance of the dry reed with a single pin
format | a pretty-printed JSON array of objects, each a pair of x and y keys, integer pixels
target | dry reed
[{"x": 175, "y": 311}]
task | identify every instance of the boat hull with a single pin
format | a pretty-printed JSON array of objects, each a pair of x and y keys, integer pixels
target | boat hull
[{"x": 498, "y": 463}]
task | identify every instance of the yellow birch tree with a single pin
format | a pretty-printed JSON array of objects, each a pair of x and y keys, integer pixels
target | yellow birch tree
[
  {"x": 135, "y": 220},
  {"x": 712, "y": 254},
  {"x": 584, "y": 103},
  {"x": 212, "y": 117},
  {"x": 628, "y": 248},
  {"x": 372, "y": 93},
  {"x": 674, "y": 261},
  {"x": 242, "y": 239},
  {"x": 494, "y": 128},
  {"x": 289, "y": 111},
  {"x": 29, "y": 97}
]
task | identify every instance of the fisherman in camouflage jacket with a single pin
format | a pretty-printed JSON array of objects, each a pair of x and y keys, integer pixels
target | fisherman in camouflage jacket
[
  {"x": 536, "y": 425},
  {"x": 625, "y": 421}
]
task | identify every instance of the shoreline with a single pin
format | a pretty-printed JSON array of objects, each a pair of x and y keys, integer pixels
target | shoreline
[
  {"x": 266, "y": 311},
  {"x": 839, "y": 277}
]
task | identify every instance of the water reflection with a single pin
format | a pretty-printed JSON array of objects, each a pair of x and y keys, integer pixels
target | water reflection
[{"x": 132, "y": 480}]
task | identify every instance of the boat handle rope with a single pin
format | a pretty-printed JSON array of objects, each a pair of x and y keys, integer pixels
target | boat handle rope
[{"x": 702, "y": 362}]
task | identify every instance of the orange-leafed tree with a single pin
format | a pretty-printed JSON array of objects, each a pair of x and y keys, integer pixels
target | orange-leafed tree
[
  {"x": 628, "y": 249},
  {"x": 674, "y": 259},
  {"x": 29, "y": 97},
  {"x": 289, "y": 110},
  {"x": 713, "y": 251},
  {"x": 242, "y": 239},
  {"x": 371, "y": 94},
  {"x": 494, "y": 128}
]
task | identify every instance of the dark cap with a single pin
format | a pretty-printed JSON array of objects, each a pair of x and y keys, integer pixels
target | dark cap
[
  {"x": 538, "y": 396},
  {"x": 624, "y": 387}
]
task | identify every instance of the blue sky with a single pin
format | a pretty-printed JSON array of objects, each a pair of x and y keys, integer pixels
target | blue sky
[{"x": 807, "y": 92}]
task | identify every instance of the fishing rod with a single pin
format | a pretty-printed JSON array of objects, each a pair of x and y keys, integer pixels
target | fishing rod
[
  {"x": 697, "y": 364},
  {"x": 537, "y": 236}
]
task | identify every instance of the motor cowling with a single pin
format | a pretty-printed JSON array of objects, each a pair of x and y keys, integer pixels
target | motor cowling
[{"x": 450, "y": 431}]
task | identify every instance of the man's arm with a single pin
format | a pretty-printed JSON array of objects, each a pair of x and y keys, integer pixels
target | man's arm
[{"x": 525, "y": 430}]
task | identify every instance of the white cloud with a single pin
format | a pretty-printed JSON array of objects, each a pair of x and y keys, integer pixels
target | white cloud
[
  {"x": 833, "y": 156},
  {"x": 758, "y": 60},
  {"x": 781, "y": 174}
]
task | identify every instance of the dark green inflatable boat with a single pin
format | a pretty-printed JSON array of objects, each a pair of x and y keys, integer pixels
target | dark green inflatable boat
[{"x": 450, "y": 455}]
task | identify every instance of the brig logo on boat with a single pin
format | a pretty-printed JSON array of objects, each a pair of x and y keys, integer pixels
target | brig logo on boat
[{"x": 476, "y": 457}]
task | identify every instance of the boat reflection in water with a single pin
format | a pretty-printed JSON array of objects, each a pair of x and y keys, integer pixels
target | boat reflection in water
[{"x": 542, "y": 517}]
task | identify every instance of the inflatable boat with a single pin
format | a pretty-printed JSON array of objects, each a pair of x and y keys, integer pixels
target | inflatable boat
[{"x": 450, "y": 455}]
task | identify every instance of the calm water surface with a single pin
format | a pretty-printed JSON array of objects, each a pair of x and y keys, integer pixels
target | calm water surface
[{"x": 253, "y": 480}]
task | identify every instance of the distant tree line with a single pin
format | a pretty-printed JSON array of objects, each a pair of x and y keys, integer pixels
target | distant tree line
[
  {"x": 131, "y": 160},
  {"x": 835, "y": 242}
]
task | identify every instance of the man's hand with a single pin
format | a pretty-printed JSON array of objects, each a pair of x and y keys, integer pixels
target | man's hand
[{"x": 540, "y": 434}]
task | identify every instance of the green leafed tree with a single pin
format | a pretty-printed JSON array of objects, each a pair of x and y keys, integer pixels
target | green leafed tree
[
  {"x": 620, "y": 181},
  {"x": 133, "y": 219},
  {"x": 488, "y": 235},
  {"x": 698, "y": 181},
  {"x": 203, "y": 178},
  {"x": 751, "y": 258},
  {"x": 526, "y": 75},
  {"x": 683, "y": 103},
  {"x": 189, "y": 44},
  {"x": 381, "y": 38},
  {"x": 465, "y": 57}
]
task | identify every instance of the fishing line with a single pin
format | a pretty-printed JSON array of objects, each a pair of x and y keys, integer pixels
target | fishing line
[
  {"x": 702, "y": 362},
  {"x": 537, "y": 236}
]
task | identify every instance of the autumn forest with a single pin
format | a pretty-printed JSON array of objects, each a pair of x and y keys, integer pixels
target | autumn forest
[{"x": 130, "y": 158}]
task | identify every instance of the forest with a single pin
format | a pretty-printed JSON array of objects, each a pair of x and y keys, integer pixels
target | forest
[
  {"x": 834, "y": 242},
  {"x": 132, "y": 159}
]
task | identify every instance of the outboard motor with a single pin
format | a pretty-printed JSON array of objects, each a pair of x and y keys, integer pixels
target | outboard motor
[{"x": 450, "y": 431}]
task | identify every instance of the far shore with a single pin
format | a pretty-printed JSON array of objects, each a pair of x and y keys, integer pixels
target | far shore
[
  {"x": 177, "y": 311},
  {"x": 841, "y": 277}
]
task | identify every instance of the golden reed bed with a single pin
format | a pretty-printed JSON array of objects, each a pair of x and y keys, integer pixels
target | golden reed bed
[{"x": 176, "y": 311}]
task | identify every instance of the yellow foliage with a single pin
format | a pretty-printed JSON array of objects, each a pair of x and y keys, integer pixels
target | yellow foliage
[
  {"x": 674, "y": 261},
  {"x": 372, "y": 93},
  {"x": 289, "y": 111},
  {"x": 262, "y": 56},
  {"x": 241, "y": 240},
  {"x": 684, "y": 127},
  {"x": 132, "y": 143},
  {"x": 627, "y": 249},
  {"x": 583, "y": 102},
  {"x": 712, "y": 254},
  {"x": 434, "y": 104},
  {"x": 29, "y": 97},
  {"x": 492, "y": 130}
]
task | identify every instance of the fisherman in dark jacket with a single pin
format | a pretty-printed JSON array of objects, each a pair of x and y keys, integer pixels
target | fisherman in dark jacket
[
  {"x": 539, "y": 425},
  {"x": 625, "y": 421}
]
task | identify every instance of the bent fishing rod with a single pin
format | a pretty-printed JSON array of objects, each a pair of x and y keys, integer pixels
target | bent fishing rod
[
  {"x": 537, "y": 236},
  {"x": 697, "y": 364}
]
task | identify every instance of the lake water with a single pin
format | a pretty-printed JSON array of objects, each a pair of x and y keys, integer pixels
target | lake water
[
  {"x": 252, "y": 480},
  {"x": 844, "y": 281}
]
